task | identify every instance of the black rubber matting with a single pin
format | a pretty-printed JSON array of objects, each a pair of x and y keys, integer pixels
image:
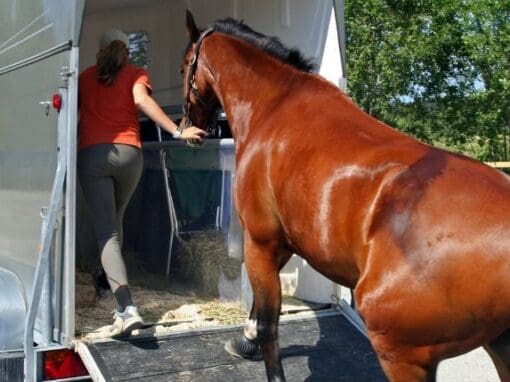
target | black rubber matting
[{"x": 321, "y": 349}]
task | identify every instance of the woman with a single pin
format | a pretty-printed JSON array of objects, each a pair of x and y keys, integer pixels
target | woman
[{"x": 111, "y": 94}]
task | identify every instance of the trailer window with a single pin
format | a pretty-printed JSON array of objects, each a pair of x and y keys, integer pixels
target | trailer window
[{"x": 139, "y": 47}]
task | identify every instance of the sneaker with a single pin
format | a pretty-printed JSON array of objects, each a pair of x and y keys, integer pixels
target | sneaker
[{"x": 126, "y": 321}]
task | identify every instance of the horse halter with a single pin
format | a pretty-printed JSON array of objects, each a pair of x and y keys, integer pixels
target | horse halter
[{"x": 190, "y": 80}]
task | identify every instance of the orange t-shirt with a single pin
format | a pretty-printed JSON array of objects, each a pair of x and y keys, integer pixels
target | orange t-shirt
[{"x": 108, "y": 114}]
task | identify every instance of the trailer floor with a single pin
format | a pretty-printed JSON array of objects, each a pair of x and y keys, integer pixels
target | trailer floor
[{"x": 323, "y": 348}]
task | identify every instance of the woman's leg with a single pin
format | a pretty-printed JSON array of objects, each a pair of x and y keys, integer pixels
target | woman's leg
[
  {"x": 108, "y": 179},
  {"x": 128, "y": 164},
  {"x": 127, "y": 175},
  {"x": 107, "y": 175}
]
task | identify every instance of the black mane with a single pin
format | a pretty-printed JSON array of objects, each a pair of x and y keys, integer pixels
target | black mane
[{"x": 271, "y": 45}]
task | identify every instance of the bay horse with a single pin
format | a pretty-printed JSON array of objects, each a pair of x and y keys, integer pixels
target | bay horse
[{"x": 420, "y": 234}]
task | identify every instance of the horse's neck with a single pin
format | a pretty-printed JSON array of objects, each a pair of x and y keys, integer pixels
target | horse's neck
[{"x": 248, "y": 82}]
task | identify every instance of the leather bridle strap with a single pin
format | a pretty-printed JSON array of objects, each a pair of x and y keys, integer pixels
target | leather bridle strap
[{"x": 192, "y": 67}]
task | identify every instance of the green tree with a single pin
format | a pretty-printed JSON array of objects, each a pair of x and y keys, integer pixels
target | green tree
[
  {"x": 436, "y": 69},
  {"x": 138, "y": 49}
]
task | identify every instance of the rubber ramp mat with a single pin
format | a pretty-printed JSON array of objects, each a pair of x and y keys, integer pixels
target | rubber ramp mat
[{"x": 321, "y": 349}]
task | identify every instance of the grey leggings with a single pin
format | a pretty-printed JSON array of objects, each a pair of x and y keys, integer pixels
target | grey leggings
[{"x": 108, "y": 175}]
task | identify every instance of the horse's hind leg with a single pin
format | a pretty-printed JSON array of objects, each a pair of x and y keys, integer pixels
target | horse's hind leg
[
  {"x": 246, "y": 345},
  {"x": 404, "y": 372},
  {"x": 402, "y": 363},
  {"x": 499, "y": 351}
]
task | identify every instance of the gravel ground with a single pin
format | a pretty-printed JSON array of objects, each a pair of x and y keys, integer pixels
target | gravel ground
[{"x": 475, "y": 366}]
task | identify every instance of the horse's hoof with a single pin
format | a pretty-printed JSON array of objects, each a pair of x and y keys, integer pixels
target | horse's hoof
[{"x": 242, "y": 347}]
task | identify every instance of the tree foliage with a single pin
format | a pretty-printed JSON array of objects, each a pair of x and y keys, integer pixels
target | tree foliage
[
  {"x": 138, "y": 49},
  {"x": 436, "y": 69}
]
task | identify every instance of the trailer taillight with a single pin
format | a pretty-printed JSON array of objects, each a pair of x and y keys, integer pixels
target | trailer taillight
[
  {"x": 63, "y": 364},
  {"x": 57, "y": 101}
]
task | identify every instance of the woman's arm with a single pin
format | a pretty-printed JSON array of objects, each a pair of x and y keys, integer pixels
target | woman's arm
[{"x": 149, "y": 106}]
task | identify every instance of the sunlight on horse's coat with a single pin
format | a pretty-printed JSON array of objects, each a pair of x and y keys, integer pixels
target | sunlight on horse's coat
[
  {"x": 410, "y": 227},
  {"x": 339, "y": 174}
]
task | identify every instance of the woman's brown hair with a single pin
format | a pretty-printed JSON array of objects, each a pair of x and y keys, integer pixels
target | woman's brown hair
[{"x": 110, "y": 60}]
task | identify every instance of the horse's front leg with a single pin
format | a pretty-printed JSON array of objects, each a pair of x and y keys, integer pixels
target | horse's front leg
[
  {"x": 246, "y": 345},
  {"x": 263, "y": 261}
]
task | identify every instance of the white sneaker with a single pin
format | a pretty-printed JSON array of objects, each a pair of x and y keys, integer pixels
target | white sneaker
[{"x": 126, "y": 321}]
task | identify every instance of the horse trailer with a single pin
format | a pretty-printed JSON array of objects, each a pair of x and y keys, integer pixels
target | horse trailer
[{"x": 185, "y": 192}]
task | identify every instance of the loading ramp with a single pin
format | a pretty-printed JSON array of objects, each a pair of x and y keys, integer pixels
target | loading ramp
[{"x": 316, "y": 347}]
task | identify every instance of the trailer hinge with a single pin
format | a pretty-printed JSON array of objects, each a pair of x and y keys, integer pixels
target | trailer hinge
[
  {"x": 44, "y": 217},
  {"x": 65, "y": 73}
]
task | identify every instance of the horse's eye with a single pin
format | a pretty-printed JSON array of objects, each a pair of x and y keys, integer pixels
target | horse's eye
[{"x": 181, "y": 71}]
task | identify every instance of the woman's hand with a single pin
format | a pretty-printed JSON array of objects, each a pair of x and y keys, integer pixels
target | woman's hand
[
  {"x": 148, "y": 105},
  {"x": 194, "y": 133}
]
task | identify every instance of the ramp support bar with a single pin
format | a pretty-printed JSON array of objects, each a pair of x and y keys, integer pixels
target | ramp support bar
[{"x": 89, "y": 362}]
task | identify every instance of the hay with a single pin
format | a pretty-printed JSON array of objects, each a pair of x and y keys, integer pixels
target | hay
[
  {"x": 202, "y": 276},
  {"x": 165, "y": 310},
  {"x": 225, "y": 313},
  {"x": 203, "y": 258},
  {"x": 169, "y": 311},
  {"x": 205, "y": 291}
]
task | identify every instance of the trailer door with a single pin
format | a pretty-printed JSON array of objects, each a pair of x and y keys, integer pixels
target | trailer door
[{"x": 38, "y": 58}]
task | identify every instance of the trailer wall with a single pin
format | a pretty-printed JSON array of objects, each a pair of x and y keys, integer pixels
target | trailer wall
[{"x": 299, "y": 23}]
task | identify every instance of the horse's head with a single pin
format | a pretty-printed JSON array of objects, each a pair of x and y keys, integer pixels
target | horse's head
[{"x": 201, "y": 105}]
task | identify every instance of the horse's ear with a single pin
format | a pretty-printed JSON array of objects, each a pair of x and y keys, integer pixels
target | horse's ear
[{"x": 193, "y": 31}]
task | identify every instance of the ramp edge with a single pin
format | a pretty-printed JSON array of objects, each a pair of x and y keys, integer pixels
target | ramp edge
[{"x": 89, "y": 361}]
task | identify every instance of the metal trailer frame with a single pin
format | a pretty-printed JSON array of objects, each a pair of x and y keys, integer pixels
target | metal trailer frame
[
  {"x": 62, "y": 207},
  {"x": 48, "y": 308}
]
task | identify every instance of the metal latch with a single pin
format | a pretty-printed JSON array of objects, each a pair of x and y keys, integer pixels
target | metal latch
[
  {"x": 65, "y": 73},
  {"x": 44, "y": 216},
  {"x": 44, "y": 212},
  {"x": 46, "y": 105}
]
